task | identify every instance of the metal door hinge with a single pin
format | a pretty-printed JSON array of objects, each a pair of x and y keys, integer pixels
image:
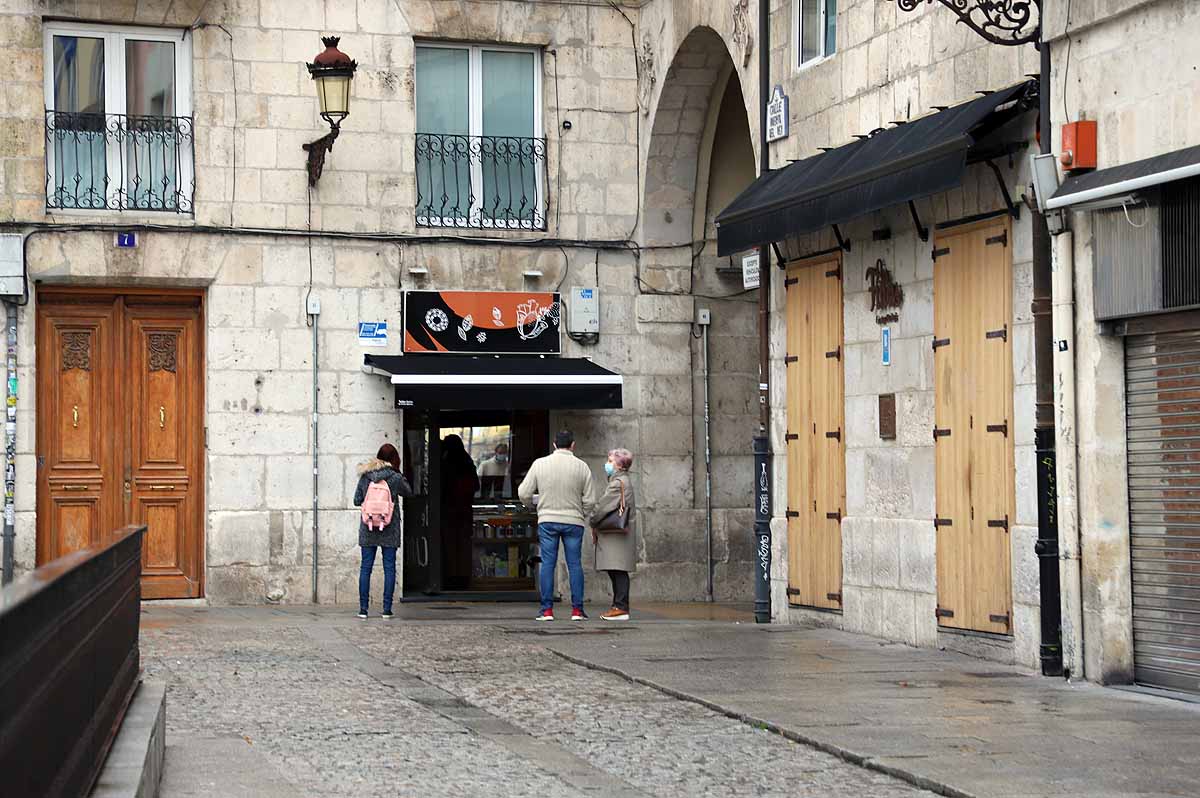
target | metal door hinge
[
  {"x": 941, "y": 522},
  {"x": 791, "y": 591},
  {"x": 834, "y": 516},
  {"x": 790, "y": 359},
  {"x": 835, "y": 273},
  {"x": 999, "y": 523},
  {"x": 939, "y": 432},
  {"x": 788, "y": 282},
  {"x": 1001, "y": 239},
  {"x": 999, "y": 428},
  {"x": 836, "y": 434},
  {"x": 937, "y": 253},
  {"x": 791, "y": 436},
  {"x": 943, "y": 612},
  {"x": 791, "y": 514},
  {"x": 835, "y": 353},
  {"x": 940, "y": 342},
  {"x": 834, "y": 597},
  {"x": 1004, "y": 619},
  {"x": 1002, "y": 333}
]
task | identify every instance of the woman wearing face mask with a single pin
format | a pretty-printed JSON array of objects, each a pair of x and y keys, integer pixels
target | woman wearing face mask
[{"x": 613, "y": 532}]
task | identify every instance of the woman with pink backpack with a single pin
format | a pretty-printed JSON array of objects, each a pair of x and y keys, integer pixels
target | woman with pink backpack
[{"x": 380, "y": 487}]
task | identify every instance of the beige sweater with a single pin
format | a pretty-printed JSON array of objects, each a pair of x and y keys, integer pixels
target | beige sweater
[{"x": 563, "y": 483}]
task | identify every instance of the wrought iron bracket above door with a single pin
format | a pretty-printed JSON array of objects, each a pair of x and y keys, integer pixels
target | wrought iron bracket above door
[{"x": 1006, "y": 22}]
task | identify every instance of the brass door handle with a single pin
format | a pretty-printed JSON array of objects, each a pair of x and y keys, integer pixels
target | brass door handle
[
  {"x": 162, "y": 417},
  {"x": 74, "y": 487},
  {"x": 162, "y": 487},
  {"x": 75, "y": 416}
]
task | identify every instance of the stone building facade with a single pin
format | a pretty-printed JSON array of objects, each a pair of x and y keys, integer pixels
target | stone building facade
[
  {"x": 889, "y": 67},
  {"x": 244, "y": 248},
  {"x": 1130, "y": 68}
]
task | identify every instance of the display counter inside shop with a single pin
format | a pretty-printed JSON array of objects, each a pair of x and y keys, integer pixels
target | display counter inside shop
[{"x": 503, "y": 542}]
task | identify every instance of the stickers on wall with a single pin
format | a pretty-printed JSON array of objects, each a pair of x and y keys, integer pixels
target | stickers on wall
[
  {"x": 372, "y": 333},
  {"x": 886, "y": 348}
]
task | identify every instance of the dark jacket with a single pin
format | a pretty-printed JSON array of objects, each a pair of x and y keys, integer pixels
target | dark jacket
[{"x": 373, "y": 471}]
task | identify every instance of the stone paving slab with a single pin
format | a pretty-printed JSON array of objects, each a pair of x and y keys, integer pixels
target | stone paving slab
[
  {"x": 969, "y": 727},
  {"x": 317, "y": 703}
]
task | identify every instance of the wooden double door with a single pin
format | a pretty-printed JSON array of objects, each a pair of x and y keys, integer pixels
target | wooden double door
[
  {"x": 973, "y": 426},
  {"x": 816, "y": 465},
  {"x": 120, "y": 403}
]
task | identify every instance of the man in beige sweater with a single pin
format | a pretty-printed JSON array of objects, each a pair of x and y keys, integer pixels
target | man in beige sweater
[{"x": 562, "y": 485}]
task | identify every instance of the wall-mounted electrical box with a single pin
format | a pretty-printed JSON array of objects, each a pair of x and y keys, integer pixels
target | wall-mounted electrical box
[
  {"x": 583, "y": 315},
  {"x": 12, "y": 271},
  {"x": 1079, "y": 145}
]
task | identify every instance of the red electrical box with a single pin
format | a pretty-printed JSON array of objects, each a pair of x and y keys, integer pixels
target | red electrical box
[{"x": 1079, "y": 145}]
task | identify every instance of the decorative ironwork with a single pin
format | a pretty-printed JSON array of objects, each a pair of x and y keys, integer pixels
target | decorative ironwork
[
  {"x": 1008, "y": 22},
  {"x": 162, "y": 351},
  {"x": 119, "y": 162},
  {"x": 76, "y": 351},
  {"x": 481, "y": 181},
  {"x": 317, "y": 151}
]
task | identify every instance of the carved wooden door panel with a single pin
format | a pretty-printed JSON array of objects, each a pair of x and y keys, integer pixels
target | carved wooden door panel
[
  {"x": 77, "y": 351},
  {"x": 160, "y": 483},
  {"x": 120, "y": 429}
]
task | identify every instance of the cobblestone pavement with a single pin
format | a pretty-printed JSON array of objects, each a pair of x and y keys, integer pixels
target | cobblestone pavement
[{"x": 317, "y": 705}]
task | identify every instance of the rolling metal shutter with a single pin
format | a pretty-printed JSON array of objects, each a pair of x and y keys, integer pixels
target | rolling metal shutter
[{"x": 1162, "y": 373}]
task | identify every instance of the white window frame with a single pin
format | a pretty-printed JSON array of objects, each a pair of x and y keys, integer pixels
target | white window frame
[
  {"x": 115, "y": 101},
  {"x": 475, "y": 128},
  {"x": 798, "y": 33}
]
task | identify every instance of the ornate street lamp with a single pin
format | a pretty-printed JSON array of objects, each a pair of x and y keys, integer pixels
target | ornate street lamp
[
  {"x": 333, "y": 71},
  {"x": 1010, "y": 22}
]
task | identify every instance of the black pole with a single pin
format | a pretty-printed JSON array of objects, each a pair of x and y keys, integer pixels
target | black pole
[
  {"x": 762, "y": 441},
  {"x": 1047, "y": 543}
]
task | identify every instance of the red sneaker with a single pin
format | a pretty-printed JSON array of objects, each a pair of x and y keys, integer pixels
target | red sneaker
[
  {"x": 577, "y": 614},
  {"x": 545, "y": 615}
]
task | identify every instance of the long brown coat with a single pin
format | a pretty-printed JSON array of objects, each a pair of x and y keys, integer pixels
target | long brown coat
[{"x": 616, "y": 551}]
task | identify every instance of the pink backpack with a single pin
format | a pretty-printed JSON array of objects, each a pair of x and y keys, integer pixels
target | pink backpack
[{"x": 377, "y": 506}]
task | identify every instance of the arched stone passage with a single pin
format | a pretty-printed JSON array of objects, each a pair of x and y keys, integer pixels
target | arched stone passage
[
  {"x": 692, "y": 93},
  {"x": 699, "y": 156}
]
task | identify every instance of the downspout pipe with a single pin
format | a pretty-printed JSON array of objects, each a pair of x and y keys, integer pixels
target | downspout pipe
[
  {"x": 316, "y": 449},
  {"x": 762, "y": 441},
  {"x": 10, "y": 446},
  {"x": 708, "y": 493},
  {"x": 1066, "y": 445}
]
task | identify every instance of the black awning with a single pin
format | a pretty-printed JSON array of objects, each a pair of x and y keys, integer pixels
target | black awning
[
  {"x": 509, "y": 382},
  {"x": 916, "y": 159},
  {"x": 1120, "y": 181}
]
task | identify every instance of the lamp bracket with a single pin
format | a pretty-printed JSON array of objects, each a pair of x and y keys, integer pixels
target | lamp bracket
[
  {"x": 1007, "y": 22},
  {"x": 316, "y": 154}
]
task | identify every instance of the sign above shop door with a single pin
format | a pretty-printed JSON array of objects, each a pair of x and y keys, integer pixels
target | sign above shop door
[{"x": 482, "y": 322}]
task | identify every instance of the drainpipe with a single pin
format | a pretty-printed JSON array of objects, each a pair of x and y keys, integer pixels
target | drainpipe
[
  {"x": 1067, "y": 466},
  {"x": 708, "y": 504},
  {"x": 314, "y": 311},
  {"x": 762, "y": 441},
  {"x": 10, "y": 446}
]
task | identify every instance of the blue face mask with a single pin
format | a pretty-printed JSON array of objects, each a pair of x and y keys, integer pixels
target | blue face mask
[{"x": 608, "y": 469}]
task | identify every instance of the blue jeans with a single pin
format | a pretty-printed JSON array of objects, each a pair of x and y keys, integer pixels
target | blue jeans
[
  {"x": 572, "y": 538},
  {"x": 389, "y": 576}
]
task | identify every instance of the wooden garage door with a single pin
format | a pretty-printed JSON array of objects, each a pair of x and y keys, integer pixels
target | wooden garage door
[
  {"x": 120, "y": 429},
  {"x": 972, "y": 292},
  {"x": 816, "y": 461}
]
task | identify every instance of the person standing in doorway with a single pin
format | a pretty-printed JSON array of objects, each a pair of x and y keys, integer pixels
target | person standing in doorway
[
  {"x": 380, "y": 486},
  {"x": 613, "y": 528},
  {"x": 562, "y": 485},
  {"x": 460, "y": 483}
]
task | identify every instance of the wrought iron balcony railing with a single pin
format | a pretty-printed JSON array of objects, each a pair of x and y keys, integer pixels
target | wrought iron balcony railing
[
  {"x": 481, "y": 181},
  {"x": 119, "y": 162}
]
